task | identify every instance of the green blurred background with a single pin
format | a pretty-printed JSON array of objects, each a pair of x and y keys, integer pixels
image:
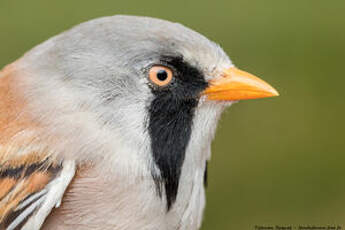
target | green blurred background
[{"x": 275, "y": 161}]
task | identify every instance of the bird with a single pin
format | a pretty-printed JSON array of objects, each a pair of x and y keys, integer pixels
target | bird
[{"x": 109, "y": 124}]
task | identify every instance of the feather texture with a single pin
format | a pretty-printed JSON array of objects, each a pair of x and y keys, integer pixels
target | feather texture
[
  {"x": 32, "y": 181},
  {"x": 30, "y": 187}
]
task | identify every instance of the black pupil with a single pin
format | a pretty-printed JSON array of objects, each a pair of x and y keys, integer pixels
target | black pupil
[{"x": 162, "y": 75}]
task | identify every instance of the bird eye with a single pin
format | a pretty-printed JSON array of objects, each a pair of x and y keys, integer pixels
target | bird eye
[{"x": 160, "y": 75}]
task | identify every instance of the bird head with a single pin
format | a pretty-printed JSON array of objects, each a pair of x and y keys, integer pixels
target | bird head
[{"x": 138, "y": 97}]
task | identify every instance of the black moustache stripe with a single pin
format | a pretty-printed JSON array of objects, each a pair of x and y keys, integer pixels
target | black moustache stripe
[{"x": 171, "y": 118}]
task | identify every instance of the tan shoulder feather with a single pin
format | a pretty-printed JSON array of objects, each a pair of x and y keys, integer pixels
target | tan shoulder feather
[{"x": 32, "y": 182}]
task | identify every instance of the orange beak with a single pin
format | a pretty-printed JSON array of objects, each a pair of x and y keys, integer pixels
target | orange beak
[{"x": 236, "y": 84}]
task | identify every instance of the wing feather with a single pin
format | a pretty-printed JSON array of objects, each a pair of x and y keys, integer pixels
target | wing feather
[
  {"x": 32, "y": 182},
  {"x": 31, "y": 189}
]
